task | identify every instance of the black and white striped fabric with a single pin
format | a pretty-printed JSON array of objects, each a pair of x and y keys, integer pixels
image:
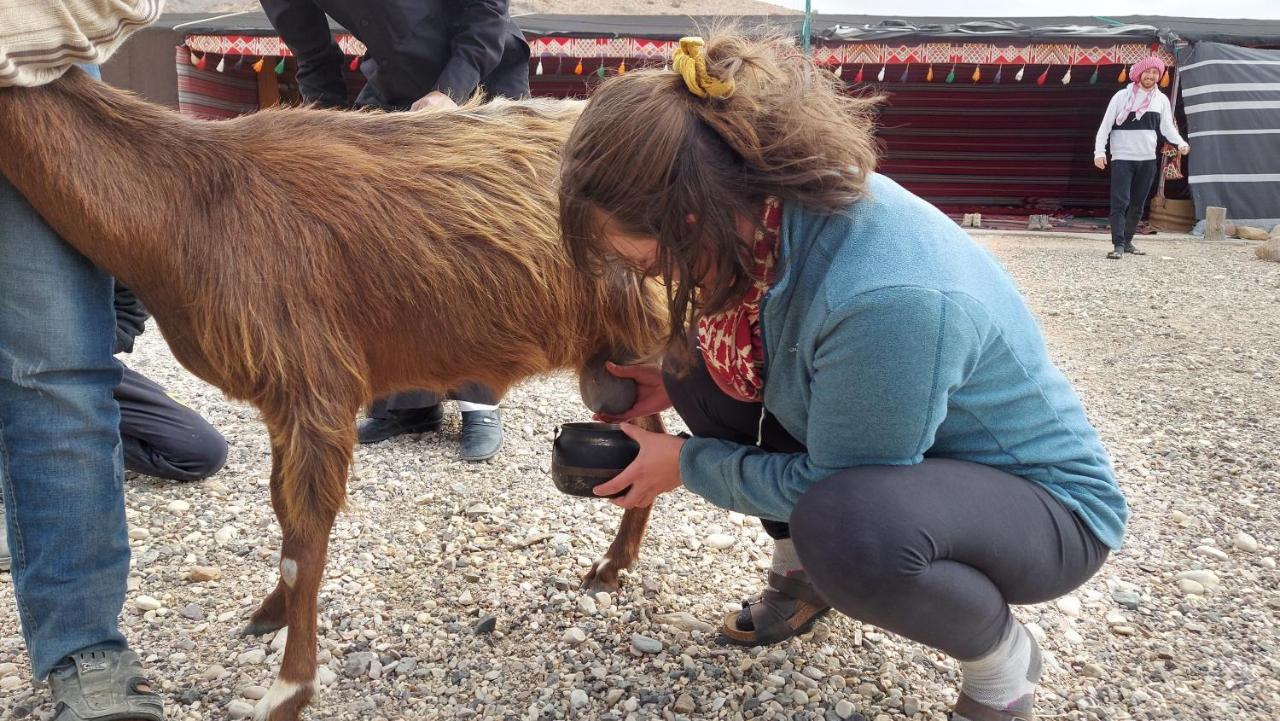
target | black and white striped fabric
[{"x": 1231, "y": 96}]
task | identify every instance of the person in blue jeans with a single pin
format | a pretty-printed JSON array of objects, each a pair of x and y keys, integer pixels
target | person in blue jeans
[{"x": 62, "y": 470}]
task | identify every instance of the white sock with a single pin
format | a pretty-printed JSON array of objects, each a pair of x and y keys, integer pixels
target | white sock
[
  {"x": 1005, "y": 678},
  {"x": 464, "y": 406},
  {"x": 785, "y": 560}
]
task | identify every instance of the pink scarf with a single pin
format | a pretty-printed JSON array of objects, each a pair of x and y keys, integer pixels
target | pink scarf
[{"x": 1136, "y": 102}]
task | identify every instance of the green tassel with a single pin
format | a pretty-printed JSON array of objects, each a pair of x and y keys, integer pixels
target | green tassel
[
  {"x": 1093, "y": 79},
  {"x": 280, "y": 66},
  {"x": 951, "y": 76},
  {"x": 600, "y": 71}
]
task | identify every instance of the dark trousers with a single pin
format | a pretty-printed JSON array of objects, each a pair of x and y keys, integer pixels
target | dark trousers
[
  {"x": 934, "y": 552},
  {"x": 410, "y": 402},
  {"x": 1130, "y": 184},
  {"x": 162, "y": 437}
]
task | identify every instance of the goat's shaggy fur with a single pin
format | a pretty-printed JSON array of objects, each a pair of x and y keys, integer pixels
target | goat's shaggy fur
[{"x": 309, "y": 260}]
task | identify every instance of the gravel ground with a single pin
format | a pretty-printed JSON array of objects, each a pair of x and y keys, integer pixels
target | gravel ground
[{"x": 1174, "y": 354}]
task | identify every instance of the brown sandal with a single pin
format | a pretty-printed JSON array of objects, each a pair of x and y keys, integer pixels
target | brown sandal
[{"x": 770, "y": 623}]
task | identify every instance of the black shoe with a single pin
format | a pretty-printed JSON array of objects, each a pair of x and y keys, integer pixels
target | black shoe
[
  {"x": 1132, "y": 250},
  {"x": 481, "y": 435},
  {"x": 1116, "y": 254},
  {"x": 418, "y": 420}
]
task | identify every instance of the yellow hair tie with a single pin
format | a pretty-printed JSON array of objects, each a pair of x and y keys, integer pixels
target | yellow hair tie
[{"x": 691, "y": 63}]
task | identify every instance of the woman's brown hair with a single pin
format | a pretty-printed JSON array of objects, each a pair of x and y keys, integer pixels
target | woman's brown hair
[{"x": 647, "y": 154}]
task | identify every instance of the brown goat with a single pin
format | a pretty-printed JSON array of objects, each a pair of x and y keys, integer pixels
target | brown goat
[{"x": 307, "y": 260}]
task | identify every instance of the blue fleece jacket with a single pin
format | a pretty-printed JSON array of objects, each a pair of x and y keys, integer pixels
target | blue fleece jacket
[{"x": 891, "y": 336}]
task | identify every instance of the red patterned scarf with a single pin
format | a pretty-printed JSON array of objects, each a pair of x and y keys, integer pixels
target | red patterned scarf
[{"x": 730, "y": 341}]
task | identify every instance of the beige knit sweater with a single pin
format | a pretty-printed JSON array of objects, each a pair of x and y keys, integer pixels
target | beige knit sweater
[{"x": 40, "y": 39}]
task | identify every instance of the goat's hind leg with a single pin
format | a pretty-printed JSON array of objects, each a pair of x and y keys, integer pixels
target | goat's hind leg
[
  {"x": 310, "y": 502},
  {"x": 625, "y": 548}
]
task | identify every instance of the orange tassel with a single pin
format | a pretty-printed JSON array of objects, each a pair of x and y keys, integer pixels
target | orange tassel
[
  {"x": 578, "y": 69},
  {"x": 929, "y": 78},
  {"x": 1124, "y": 75},
  {"x": 257, "y": 67},
  {"x": 1164, "y": 79},
  {"x": 622, "y": 67},
  {"x": 977, "y": 73}
]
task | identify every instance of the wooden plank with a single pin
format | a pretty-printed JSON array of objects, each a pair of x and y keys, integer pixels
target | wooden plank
[
  {"x": 1215, "y": 223},
  {"x": 268, "y": 88}
]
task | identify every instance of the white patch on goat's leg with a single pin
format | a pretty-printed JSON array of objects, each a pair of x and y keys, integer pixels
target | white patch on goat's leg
[
  {"x": 602, "y": 564},
  {"x": 280, "y": 692},
  {"x": 289, "y": 571}
]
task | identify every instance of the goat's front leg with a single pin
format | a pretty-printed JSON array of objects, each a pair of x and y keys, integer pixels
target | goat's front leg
[
  {"x": 625, "y": 548},
  {"x": 306, "y": 505}
]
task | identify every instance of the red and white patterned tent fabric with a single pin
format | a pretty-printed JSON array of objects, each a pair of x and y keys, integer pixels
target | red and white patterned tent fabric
[{"x": 969, "y": 123}]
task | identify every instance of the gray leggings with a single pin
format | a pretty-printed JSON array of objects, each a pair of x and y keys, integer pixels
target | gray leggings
[{"x": 934, "y": 552}]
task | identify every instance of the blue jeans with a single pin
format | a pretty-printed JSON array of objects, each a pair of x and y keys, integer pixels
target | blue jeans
[{"x": 61, "y": 465}]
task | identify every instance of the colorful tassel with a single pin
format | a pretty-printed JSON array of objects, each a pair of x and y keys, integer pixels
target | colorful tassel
[
  {"x": 999, "y": 73},
  {"x": 354, "y": 65},
  {"x": 203, "y": 62},
  {"x": 578, "y": 69},
  {"x": 239, "y": 63},
  {"x": 929, "y": 77},
  {"x": 193, "y": 58},
  {"x": 257, "y": 67},
  {"x": 951, "y": 76},
  {"x": 600, "y": 70},
  {"x": 1124, "y": 75},
  {"x": 1044, "y": 77},
  {"x": 1093, "y": 79},
  {"x": 906, "y": 74},
  {"x": 1018, "y": 77},
  {"x": 1164, "y": 79},
  {"x": 539, "y": 70},
  {"x": 839, "y": 71},
  {"x": 858, "y": 78},
  {"x": 280, "y": 66},
  {"x": 222, "y": 64},
  {"x": 622, "y": 67},
  {"x": 1066, "y": 79},
  {"x": 880, "y": 75},
  {"x": 977, "y": 73}
]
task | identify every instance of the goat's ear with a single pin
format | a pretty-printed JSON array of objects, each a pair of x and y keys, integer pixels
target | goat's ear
[{"x": 602, "y": 391}]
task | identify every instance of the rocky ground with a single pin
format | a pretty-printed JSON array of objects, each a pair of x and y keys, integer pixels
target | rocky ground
[{"x": 451, "y": 587}]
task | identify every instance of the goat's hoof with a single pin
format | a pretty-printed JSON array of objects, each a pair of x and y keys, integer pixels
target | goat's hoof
[
  {"x": 261, "y": 627},
  {"x": 601, "y": 577}
]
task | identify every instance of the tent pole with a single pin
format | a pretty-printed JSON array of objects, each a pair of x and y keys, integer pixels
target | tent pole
[{"x": 804, "y": 27}]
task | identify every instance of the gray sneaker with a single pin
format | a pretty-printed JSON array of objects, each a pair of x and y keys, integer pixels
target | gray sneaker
[{"x": 103, "y": 685}]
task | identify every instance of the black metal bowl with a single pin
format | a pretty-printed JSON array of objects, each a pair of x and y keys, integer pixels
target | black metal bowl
[{"x": 585, "y": 455}]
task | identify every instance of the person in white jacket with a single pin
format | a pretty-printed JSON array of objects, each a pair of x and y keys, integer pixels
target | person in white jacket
[{"x": 1133, "y": 117}]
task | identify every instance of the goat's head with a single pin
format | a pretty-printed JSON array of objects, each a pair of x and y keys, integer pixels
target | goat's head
[{"x": 630, "y": 329}]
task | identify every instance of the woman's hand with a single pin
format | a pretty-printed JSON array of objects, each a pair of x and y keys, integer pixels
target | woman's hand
[
  {"x": 1184, "y": 148},
  {"x": 651, "y": 395},
  {"x": 655, "y": 470}
]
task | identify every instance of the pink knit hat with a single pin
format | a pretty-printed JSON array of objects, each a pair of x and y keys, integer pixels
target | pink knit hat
[{"x": 1144, "y": 65}]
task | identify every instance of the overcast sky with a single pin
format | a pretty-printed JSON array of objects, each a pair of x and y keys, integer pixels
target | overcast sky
[{"x": 1044, "y": 8}]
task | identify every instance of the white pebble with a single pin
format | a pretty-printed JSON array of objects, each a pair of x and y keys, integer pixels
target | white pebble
[
  {"x": 574, "y": 635},
  {"x": 147, "y": 603},
  {"x": 1268, "y": 562},
  {"x": 1070, "y": 605},
  {"x": 1190, "y": 587},
  {"x": 139, "y": 534},
  {"x": 1212, "y": 552},
  {"x": 239, "y": 709},
  {"x": 587, "y": 605},
  {"x": 719, "y": 541},
  {"x": 845, "y": 709},
  {"x": 179, "y": 506},
  {"x": 9, "y": 683},
  {"x": 1208, "y": 579},
  {"x": 578, "y": 698},
  {"x": 1179, "y": 517},
  {"x": 1245, "y": 542}
]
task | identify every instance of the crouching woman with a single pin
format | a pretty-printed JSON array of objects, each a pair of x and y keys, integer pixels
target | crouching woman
[{"x": 854, "y": 369}]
